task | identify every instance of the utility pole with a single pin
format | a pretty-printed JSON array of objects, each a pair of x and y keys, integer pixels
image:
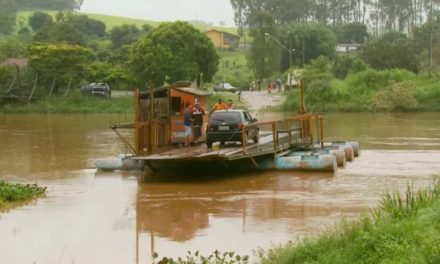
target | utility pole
[
  {"x": 285, "y": 48},
  {"x": 430, "y": 42}
]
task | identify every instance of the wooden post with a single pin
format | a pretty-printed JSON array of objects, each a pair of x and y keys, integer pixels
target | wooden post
[
  {"x": 274, "y": 128},
  {"x": 311, "y": 130},
  {"x": 322, "y": 131},
  {"x": 244, "y": 139},
  {"x": 137, "y": 140},
  {"x": 317, "y": 129},
  {"x": 289, "y": 132},
  {"x": 303, "y": 107},
  {"x": 150, "y": 119}
]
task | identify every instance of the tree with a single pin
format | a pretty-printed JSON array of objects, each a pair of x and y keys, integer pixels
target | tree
[
  {"x": 115, "y": 75},
  {"x": 351, "y": 33},
  {"x": 39, "y": 20},
  {"x": 60, "y": 62},
  {"x": 89, "y": 26},
  {"x": 7, "y": 16},
  {"x": 124, "y": 35},
  {"x": 49, "y": 4},
  {"x": 11, "y": 47},
  {"x": 309, "y": 41},
  {"x": 392, "y": 50},
  {"x": 264, "y": 53},
  {"x": 174, "y": 51},
  {"x": 61, "y": 32},
  {"x": 70, "y": 28}
]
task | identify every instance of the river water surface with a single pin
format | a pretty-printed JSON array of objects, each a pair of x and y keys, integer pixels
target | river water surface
[{"x": 93, "y": 217}]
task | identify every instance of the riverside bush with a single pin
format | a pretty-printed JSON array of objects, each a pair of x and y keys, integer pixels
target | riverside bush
[
  {"x": 215, "y": 258},
  {"x": 368, "y": 91},
  {"x": 398, "y": 97},
  {"x": 404, "y": 229},
  {"x": 17, "y": 192}
]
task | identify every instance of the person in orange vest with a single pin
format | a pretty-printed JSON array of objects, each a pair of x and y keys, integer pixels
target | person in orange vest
[
  {"x": 229, "y": 105},
  {"x": 219, "y": 105}
]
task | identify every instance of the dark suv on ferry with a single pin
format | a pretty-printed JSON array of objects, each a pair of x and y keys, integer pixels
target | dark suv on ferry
[{"x": 226, "y": 126}]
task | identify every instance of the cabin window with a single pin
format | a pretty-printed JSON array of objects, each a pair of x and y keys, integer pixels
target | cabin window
[{"x": 176, "y": 105}]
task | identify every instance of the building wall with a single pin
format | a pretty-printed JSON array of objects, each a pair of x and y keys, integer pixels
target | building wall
[{"x": 217, "y": 39}]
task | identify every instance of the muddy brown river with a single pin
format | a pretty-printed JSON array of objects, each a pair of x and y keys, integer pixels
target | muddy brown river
[{"x": 94, "y": 217}]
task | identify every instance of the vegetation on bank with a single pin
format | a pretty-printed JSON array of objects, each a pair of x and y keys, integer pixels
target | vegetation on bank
[
  {"x": 216, "y": 258},
  {"x": 364, "y": 90},
  {"x": 12, "y": 193},
  {"x": 75, "y": 102},
  {"x": 404, "y": 229}
]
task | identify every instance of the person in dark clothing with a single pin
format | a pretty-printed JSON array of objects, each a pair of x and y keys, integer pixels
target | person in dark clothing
[
  {"x": 197, "y": 116},
  {"x": 187, "y": 123}
]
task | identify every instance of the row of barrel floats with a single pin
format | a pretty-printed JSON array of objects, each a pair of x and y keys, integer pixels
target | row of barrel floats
[{"x": 327, "y": 159}]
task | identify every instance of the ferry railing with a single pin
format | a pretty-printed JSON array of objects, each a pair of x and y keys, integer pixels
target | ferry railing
[{"x": 298, "y": 130}]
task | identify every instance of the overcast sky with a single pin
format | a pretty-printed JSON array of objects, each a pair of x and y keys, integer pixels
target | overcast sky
[{"x": 165, "y": 10}]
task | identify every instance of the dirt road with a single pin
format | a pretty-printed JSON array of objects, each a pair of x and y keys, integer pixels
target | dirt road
[{"x": 261, "y": 100}]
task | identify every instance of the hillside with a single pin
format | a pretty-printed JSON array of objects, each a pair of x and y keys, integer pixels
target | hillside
[{"x": 112, "y": 21}]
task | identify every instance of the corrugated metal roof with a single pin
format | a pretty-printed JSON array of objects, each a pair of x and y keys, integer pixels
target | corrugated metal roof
[
  {"x": 194, "y": 91},
  {"x": 184, "y": 86}
]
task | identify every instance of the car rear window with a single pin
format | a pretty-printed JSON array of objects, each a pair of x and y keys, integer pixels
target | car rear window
[{"x": 228, "y": 117}]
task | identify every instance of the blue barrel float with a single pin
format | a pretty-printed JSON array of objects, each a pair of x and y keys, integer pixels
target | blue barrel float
[
  {"x": 121, "y": 162},
  {"x": 307, "y": 162},
  {"x": 352, "y": 148}
]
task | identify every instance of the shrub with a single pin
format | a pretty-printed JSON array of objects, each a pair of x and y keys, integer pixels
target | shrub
[
  {"x": 18, "y": 192},
  {"x": 398, "y": 97}
]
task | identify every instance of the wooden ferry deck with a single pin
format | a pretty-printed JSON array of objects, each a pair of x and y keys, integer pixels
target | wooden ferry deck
[{"x": 276, "y": 138}]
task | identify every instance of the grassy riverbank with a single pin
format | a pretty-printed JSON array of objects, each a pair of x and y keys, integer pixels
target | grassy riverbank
[
  {"x": 11, "y": 194},
  {"x": 73, "y": 103},
  {"x": 78, "y": 103},
  {"x": 404, "y": 229},
  {"x": 367, "y": 91}
]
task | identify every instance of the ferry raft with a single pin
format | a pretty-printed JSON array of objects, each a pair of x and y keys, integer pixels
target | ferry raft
[{"x": 293, "y": 143}]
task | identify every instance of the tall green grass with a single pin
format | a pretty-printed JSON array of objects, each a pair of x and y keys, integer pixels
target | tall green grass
[{"x": 404, "y": 229}]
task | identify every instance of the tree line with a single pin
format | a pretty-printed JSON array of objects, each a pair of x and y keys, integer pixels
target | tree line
[
  {"x": 389, "y": 34},
  {"x": 379, "y": 15},
  {"x": 68, "y": 49},
  {"x": 9, "y": 9}
]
